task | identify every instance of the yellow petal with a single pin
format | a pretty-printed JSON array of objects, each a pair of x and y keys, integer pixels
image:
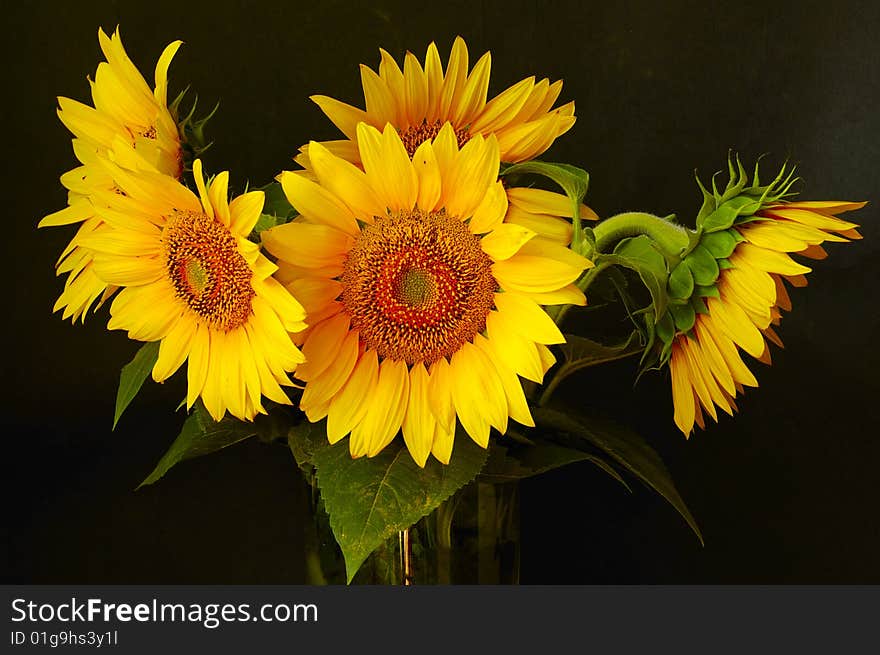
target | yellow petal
[
  {"x": 477, "y": 393},
  {"x": 348, "y": 408},
  {"x": 503, "y": 107},
  {"x": 387, "y": 407},
  {"x": 309, "y": 245},
  {"x": 321, "y": 389},
  {"x": 440, "y": 394},
  {"x": 517, "y": 405},
  {"x": 343, "y": 116},
  {"x": 513, "y": 348},
  {"x": 321, "y": 346},
  {"x": 505, "y": 240},
  {"x": 317, "y": 204},
  {"x": 682, "y": 393},
  {"x": 528, "y": 318},
  {"x": 490, "y": 213},
  {"x": 427, "y": 170},
  {"x": 419, "y": 422},
  {"x": 346, "y": 182},
  {"x": 245, "y": 210},
  {"x": 470, "y": 175}
]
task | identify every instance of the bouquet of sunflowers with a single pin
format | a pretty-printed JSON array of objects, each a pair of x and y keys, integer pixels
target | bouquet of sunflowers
[{"x": 393, "y": 302}]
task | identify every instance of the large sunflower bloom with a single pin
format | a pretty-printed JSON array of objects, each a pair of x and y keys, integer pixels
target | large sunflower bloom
[
  {"x": 423, "y": 303},
  {"x": 125, "y": 107},
  {"x": 193, "y": 281},
  {"x": 419, "y": 100},
  {"x": 706, "y": 367}
]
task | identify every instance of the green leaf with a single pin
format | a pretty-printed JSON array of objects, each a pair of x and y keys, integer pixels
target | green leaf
[
  {"x": 371, "y": 498},
  {"x": 132, "y": 377},
  {"x": 580, "y": 352},
  {"x": 516, "y": 462},
  {"x": 681, "y": 282},
  {"x": 276, "y": 203},
  {"x": 702, "y": 265},
  {"x": 640, "y": 255},
  {"x": 574, "y": 182},
  {"x": 624, "y": 446},
  {"x": 201, "y": 435}
]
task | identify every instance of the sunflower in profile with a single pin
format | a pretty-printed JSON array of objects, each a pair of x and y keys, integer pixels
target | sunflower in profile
[
  {"x": 739, "y": 309},
  {"x": 423, "y": 304},
  {"x": 193, "y": 281},
  {"x": 124, "y": 107}
]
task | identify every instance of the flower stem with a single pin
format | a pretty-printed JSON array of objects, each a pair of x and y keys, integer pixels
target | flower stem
[{"x": 671, "y": 238}]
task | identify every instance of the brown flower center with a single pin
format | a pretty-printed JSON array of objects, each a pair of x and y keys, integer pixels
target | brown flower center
[
  {"x": 417, "y": 286},
  {"x": 416, "y": 135},
  {"x": 207, "y": 270}
]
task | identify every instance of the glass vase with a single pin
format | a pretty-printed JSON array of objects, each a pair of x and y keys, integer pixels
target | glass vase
[{"x": 473, "y": 537}]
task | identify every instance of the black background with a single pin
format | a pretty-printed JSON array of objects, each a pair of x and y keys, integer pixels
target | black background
[{"x": 786, "y": 492}]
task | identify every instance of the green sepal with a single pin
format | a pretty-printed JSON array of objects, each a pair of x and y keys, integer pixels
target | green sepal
[
  {"x": 720, "y": 244},
  {"x": 681, "y": 282},
  {"x": 699, "y": 305},
  {"x": 739, "y": 202},
  {"x": 710, "y": 291},
  {"x": 133, "y": 376},
  {"x": 703, "y": 266},
  {"x": 369, "y": 499},
  {"x": 724, "y": 264},
  {"x": 683, "y": 315},
  {"x": 574, "y": 182},
  {"x": 665, "y": 328},
  {"x": 623, "y": 446}
]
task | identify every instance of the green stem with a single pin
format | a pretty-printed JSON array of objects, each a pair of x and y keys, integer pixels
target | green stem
[
  {"x": 558, "y": 312},
  {"x": 671, "y": 238}
]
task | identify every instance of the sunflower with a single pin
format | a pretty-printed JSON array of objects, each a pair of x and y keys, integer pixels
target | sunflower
[
  {"x": 424, "y": 305},
  {"x": 126, "y": 108},
  {"x": 419, "y": 100},
  {"x": 193, "y": 281},
  {"x": 706, "y": 367}
]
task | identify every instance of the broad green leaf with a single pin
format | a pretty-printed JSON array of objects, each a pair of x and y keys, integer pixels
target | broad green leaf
[
  {"x": 681, "y": 282},
  {"x": 201, "y": 435},
  {"x": 702, "y": 265},
  {"x": 371, "y": 498},
  {"x": 516, "y": 462},
  {"x": 574, "y": 182},
  {"x": 580, "y": 352},
  {"x": 624, "y": 446},
  {"x": 132, "y": 377},
  {"x": 640, "y": 255}
]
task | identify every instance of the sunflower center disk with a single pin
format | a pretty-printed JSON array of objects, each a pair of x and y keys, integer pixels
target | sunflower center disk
[
  {"x": 417, "y": 286},
  {"x": 207, "y": 271},
  {"x": 416, "y": 135}
]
